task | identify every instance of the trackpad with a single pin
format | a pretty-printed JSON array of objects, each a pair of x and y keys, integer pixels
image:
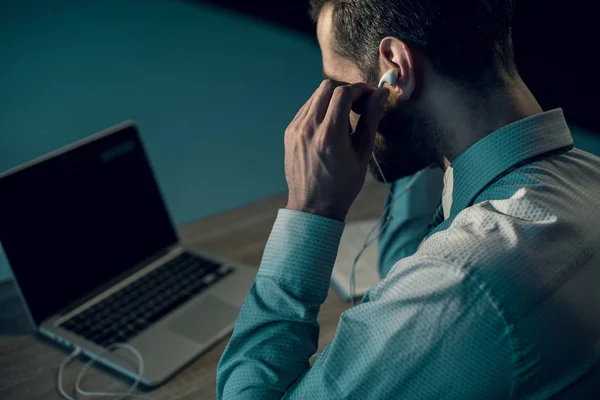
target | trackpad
[{"x": 204, "y": 320}]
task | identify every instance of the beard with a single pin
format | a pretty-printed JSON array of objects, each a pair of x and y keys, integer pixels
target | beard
[{"x": 404, "y": 145}]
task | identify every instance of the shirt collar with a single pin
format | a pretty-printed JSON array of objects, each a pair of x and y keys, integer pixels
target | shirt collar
[{"x": 477, "y": 166}]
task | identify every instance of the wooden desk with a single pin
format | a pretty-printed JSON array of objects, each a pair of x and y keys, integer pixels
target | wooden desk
[{"x": 28, "y": 363}]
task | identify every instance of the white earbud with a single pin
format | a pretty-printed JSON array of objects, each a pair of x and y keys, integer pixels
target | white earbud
[{"x": 390, "y": 77}]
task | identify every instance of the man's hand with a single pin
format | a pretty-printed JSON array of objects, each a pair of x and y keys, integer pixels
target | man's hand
[{"x": 325, "y": 166}]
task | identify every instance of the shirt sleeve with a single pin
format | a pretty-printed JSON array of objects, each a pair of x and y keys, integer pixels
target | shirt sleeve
[
  {"x": 277, "y": 331},
  {"x": 411, "y": 214},
  {"x": 425, "y": 332}
]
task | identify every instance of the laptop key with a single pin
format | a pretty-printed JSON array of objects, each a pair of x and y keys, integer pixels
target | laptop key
[
  {"x": 224, "y": 271},
  {"x": 165, "y": 309},
  {"x": 209, "y": 279}
]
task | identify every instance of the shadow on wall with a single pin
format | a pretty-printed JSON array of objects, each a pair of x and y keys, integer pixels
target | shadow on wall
[
  {"x": 210, "y": 91},
  {"x": 4, "y": 269},
  {"x": 586, "y": 140}
]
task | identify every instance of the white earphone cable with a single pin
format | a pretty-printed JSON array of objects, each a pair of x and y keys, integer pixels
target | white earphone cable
[
  {"x": 369, "y": 240},
  {"x": 92, "y": 361},
  {"x": 61, "y": 369}
]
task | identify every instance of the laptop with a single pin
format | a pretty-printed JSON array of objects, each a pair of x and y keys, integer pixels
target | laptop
[{"x": 97, "y": 259}]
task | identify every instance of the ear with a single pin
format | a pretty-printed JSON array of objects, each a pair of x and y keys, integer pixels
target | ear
[{"x": 394, "y": 53}]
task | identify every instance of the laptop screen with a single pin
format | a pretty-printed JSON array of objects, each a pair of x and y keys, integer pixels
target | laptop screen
[{"x": 77, "y": 220}]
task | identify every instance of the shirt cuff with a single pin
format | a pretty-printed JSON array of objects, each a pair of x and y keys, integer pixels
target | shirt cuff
[{"x": 302, "y": 249}]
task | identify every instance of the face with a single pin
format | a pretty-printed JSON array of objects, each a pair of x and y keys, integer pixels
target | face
[{"x": 403, "y": 141}]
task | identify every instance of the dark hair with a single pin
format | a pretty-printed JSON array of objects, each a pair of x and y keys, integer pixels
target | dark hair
[{"x": 464, "y": 39}]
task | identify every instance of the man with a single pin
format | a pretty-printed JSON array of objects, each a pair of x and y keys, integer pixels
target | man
[{"x": 502, "y": 297}]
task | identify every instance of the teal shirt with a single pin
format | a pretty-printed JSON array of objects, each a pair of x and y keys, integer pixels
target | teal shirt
[
  {"x": 500, "y": 300},
  {"x": 411, "y": 215}
]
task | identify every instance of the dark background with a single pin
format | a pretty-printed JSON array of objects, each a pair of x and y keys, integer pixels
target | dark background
[{"x": 556, "y": 45}]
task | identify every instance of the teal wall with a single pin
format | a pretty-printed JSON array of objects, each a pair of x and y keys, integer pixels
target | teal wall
[
  {"x": 212, "y": 92},
  {"x": 586, "y": 140}
]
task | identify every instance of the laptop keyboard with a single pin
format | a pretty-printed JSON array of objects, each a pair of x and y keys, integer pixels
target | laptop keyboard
[{"x": 124, "y": 314}]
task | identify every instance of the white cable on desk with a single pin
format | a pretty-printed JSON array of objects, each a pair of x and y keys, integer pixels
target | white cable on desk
[
  {"x": 75, "y": 353},
  {"x": 61, "y": 368}
]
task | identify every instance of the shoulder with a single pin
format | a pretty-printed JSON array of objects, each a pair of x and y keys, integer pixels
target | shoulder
[{"x": 518, "y": 210}]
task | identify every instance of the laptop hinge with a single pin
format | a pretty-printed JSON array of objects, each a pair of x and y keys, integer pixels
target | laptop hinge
[{"x": 118, "y": 279}]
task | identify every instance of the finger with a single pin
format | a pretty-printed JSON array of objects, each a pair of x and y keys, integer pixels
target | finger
[
  {"x": 360, "y": 105},
  {"x": 364, "y": 136},
  {"x": 301, "y": 114},
  {"x": 320, "y": 103},
  {"x": 340, "y": 105}
]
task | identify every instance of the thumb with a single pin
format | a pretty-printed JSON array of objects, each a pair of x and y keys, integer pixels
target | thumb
[{"x": 364, "y": 137}]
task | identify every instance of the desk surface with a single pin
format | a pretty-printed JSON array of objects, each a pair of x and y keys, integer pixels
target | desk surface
[{"x": 28, "y": 363}]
